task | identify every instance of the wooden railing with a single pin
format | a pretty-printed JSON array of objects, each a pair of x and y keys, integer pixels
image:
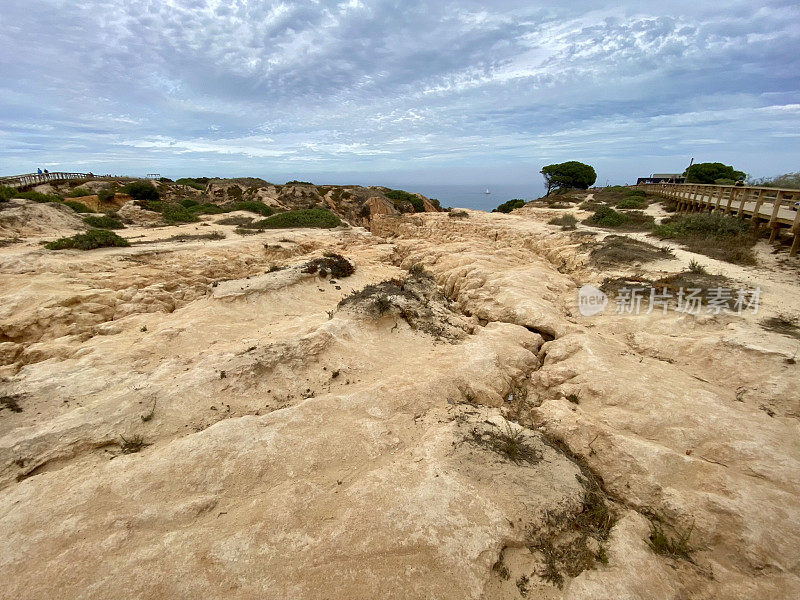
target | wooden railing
[
  {"x": 774, "y": 206},
  {"x": 30, "y": 179}
]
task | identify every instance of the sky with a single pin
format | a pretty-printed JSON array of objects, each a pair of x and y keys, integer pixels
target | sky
[{"x": 398, "y": 92}]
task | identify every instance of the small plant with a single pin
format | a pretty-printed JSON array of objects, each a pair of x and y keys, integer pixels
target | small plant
[
  {"x": 11, "y": 403},
  {"x": 574, "y": 398},
  {"x": 132, "y": 445},
  {"x": 566, "y": 221},
  {"x": 335, "y": 264},
  {"x": 148, "y": 416},
  {"x": 782, "y": 324},
  {"x": 696, "y": 267},
  {"x": 94, "y": 238},
  {"x": 104, "y": 222},
  {"x": 509, "y": 442},
  {"x": 79, "y": 192},
  {"x": 381, "y": 305},
  {"x": 675, "y": 547},
  {"x": 458, "y": 214}
]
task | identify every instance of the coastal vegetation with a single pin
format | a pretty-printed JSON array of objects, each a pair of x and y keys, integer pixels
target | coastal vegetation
[
  {"x": 570, "y": 174},
  {"x": 94, "y": 238}
]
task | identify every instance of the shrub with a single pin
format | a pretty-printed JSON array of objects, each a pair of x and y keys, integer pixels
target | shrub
[
  {"x": 78, "y": 207},
  {"x": 141, "y": 190},
  {"x": 714, "y": 234},
  {"x": 399, "y": 196},
  {"x": 175, "y": 213},
  {"x": 566, "y": 221},
  {"x": 6, "y": 193},
  {"x": 207, "y": 209},
  {"x": 104, "y": 196},
  {"x": 632, "y": 202},
  {"x": 198, "y": 183},
  {"x": 705, "y": 224},
  {"x": 458, "y": 214},
  {"x": 37, "y": 196},
  {"x": 308, "y": 217},
  {"x": 507, "y": 207},
  {"x": 188, "y": 202},
  {"x": 605, "y": 216},
  {"x": 253, "y": 206},
  {"x": 79, "y": 192},
  {"x": 94, "y": 238},
  {"x": 104, "y": 222}
]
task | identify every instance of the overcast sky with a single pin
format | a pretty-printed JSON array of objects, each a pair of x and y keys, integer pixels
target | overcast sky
[{"x": 371, "y": 91}]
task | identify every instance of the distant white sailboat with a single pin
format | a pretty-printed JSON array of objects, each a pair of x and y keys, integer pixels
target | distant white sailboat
[{"x": 487, "y": 191}]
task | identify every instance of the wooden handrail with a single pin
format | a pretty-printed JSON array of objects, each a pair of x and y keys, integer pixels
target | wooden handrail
[
  {"x": 778, "y": 207},
  {"x": 37, "y": 178}
]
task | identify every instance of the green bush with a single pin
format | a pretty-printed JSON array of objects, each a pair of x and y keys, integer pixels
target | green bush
[
  {"x": 403, "y": 196},
  {"x": 141, "y": 190},
  {"x": 632, "y": 202},
  {"x": 208, "y": 209},
  {"x": 104, "y": 222},
  {"x": 175, "y": 213},
  {"x": 254, "y": 206},
  {"x": 104, "y": 196},
  {"x": 717, "y": 235},
  {"x": 79, "y": 192},
  {"x": 507, "y": 207},
  {"x": 198, "y": 183},
  {"x": 6, "y": 193},
  {"x": 605, "y": 216},
  {"x": 37, "y": 196},
  {"x": 188, "y": 202},
  {"x": 78, "y": 207},
  {"x": 702, "y": 224},
  {"x": 94, "y": 238},
  {"x": 308, "y": 217}
]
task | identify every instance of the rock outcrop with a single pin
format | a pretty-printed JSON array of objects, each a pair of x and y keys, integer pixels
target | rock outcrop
[{"x": 216, "y": 415}]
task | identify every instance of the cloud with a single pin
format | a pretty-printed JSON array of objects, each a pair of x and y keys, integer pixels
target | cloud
[{"x": 369, "y": 86}]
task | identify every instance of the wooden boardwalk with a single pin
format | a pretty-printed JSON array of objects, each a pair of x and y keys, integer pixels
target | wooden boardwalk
[
  {"x": 30, "y": 179},
  {"x": 776, "y": 207}
]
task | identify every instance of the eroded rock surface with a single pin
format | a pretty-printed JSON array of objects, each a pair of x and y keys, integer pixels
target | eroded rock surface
[{"x": 213, "y": 417}]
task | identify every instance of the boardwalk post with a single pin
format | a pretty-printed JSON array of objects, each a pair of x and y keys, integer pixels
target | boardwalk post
[
  {"x": 773, "y": 221},
  {"x": 744, "y": 194},
  {"x": 796, "y": 231}
]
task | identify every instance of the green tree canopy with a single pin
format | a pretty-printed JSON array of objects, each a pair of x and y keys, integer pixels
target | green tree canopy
[
  {"x": 571, "y": 174},
  {"x": 141, "y": 190},
  {"x": 710, "y": 172}
]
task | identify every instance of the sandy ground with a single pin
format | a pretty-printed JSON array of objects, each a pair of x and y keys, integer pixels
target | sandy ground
[{"x": 448, "y": 435}]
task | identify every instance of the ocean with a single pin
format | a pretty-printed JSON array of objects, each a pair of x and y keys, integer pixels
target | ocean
[{"x": 474, "y": 196}]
